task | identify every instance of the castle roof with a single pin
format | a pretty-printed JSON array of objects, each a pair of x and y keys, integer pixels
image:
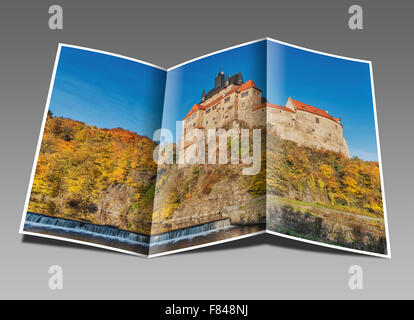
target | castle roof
[
  {"x": 194, "y": 109},
  {"x": 270, "y": 105},
  {"x": 244, "y": 86},
  {"x": 247, "y": 85},
  {"x": 305, "y": 107},
  {"x": 222, "y": 81},
  {"x": 238, "y": 88}
]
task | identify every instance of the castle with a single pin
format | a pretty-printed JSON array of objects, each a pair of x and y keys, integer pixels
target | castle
[{"x": 232, "y": 99}]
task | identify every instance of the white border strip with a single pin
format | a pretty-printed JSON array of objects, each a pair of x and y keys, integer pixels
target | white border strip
[
  {"x": 327, "y": 245},
  {"x": 387, "y": 234},
  {"x": 208, "y": 244},
  {"x": 39, "y": 141},
  {"x": 92, "y": 244},
  {"x": 318, "y": 52},
  {"x": 269, "y": 39},
  {"x": 216, "y": 52},
  {"x": 110, "y": 54}
]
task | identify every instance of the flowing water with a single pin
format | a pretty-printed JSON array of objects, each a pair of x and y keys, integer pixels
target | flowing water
[{"x": 135, "y": 242}]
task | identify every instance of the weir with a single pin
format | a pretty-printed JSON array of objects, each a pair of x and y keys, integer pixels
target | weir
[
  {"x": 190, "y": 232},
  {"x": 35, "y": 220}
]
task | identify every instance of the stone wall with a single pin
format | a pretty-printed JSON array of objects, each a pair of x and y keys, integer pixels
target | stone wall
[
  {"x": 307, "y": 129},
  {"x": 331, "y": 227},
  {"x": 289, "y": 123}
]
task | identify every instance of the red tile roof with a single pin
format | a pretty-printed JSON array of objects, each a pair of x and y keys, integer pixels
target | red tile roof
[
  {"x": 305, "y": 107},
  {"x": 244, "y": 86},
  {"x": 212, "y": 103},
  {"x": 194, "y": 109},
  {"x": 247, "y": 85},
  {"x": 250, "y": 84},
  {"x": 269, "y": 105}
]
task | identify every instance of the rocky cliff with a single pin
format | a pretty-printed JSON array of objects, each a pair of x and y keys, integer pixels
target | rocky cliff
[{"x": 195, "y": 194}]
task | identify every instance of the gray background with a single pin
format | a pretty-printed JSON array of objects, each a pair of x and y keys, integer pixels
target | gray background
[{"x": 168, "y": 33}]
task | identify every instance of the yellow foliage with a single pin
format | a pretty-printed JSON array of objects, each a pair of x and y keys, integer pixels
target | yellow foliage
[
  {"x": 327, "y": 176},
  {"x": 77, "y": 163}
]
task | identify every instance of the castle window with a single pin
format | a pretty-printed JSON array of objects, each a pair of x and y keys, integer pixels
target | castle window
[
  {"x": 214, "y": 108},
  {"x": 245, "y": 94},
  {"x": 317, "y": 120},
  {"x": 313, "y": 130},
  {"x": 208, "y": 111},
  {"x": 206, "y": 122},
  {"x": 193, "y": 124},
  {"x": 227, "y": 100}
]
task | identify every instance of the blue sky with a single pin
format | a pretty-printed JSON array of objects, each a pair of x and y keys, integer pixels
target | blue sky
[
  {"x": 108, "y": 91},
  {"x": 342, "y": 87},
  {"x": 186, "y": 83}
]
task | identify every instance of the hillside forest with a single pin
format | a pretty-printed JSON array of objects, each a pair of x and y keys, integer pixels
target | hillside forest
[{"x": 102, "y": 176}]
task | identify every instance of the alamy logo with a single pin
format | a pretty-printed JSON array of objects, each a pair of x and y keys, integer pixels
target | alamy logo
[
  {"x": 56, "y": 18},
  {"x": 355, "y": 21},
  {"x": 355, "y": 281},
  {"x": 203, "y": 148},
  {"x": 56, "y": 278}
]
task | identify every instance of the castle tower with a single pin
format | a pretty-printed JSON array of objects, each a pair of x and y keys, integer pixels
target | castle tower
[
  {"x": 219, "y": 80},
  {"x": 203, "y": 96},
  {"x": 240, "y": 78}
]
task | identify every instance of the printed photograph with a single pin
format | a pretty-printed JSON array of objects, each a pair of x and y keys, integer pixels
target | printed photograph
[
  {"x": 95, "y": 174},
  {"x": 323, "y": 165},
  {"x": 261, "y": 137}
]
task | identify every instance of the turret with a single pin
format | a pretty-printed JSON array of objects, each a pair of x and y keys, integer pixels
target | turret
[
  {"x": 240, "y": 78},
  {"x": 203, "y": 96},
  {"x": 219, "y": 80},
  {"x": 226, "y": 82}
]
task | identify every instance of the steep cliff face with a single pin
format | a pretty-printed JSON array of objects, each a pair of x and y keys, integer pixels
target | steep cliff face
[
  {"x": 117, "y": 205},
  {"x": 196, "y": 194}
]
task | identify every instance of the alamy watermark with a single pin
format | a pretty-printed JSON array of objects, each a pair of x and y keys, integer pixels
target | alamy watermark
[
  {"x": 355, "y": 21},
  {"x": 200, "y": 147},
  {"x": 56, "y": 279},
  {"x": 56, "y": 19},
  {"x": 355, "y": 281}
]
